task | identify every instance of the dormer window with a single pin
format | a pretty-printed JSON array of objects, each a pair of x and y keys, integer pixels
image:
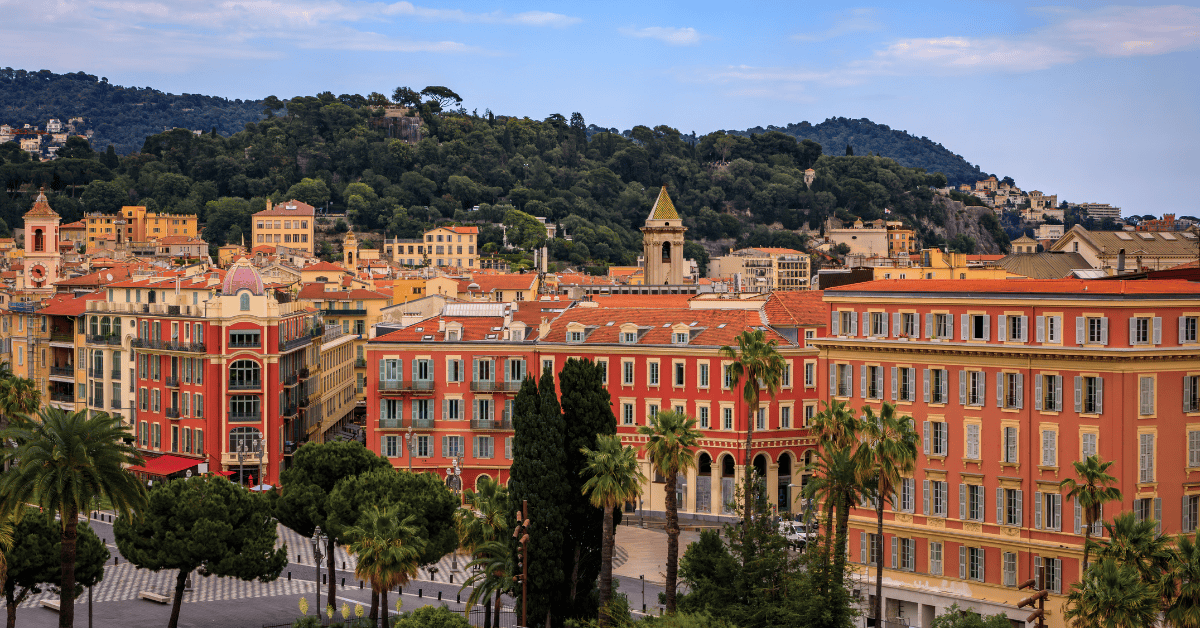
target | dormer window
[
  {"x": 452, "y": 334},
  {"x": 681, "y": 338},
  {"x": 628, "y": 337},
  {"x": 574, "y": 336}
]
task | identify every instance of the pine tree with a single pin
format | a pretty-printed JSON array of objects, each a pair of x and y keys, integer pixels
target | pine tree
[
  {"x": 587, "y": 413},
  {"x": 538, "y": 470}
]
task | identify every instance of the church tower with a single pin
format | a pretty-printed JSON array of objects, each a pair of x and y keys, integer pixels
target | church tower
[
  {"x": 662, "y": 243},
  {"x": 42, "y": 259},
  {"x": 350, "y": 251}
]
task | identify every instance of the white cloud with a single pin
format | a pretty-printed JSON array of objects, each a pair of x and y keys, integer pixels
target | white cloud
[
  {"x": 674, "y": 36},
  {"x": 854, "y": 20},
  {"x": 528, "y": 18}
]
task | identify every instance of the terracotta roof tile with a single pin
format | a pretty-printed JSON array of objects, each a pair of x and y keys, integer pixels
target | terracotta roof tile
[
  {"x": 712, "y": 327},
  {"x": 1008, "y": 286},
  {"x": 300, "y": 209},
  {"x": 796, "y": 308}
]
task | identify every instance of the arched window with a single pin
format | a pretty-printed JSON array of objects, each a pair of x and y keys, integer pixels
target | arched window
[
  {"x": 116, "y": 325},
  {"x": 666, "y": 251},
  {"x": 105, "y": 328},
  {"x": 98, "y": 362},
  {"x": 39, "y": 240},
  {"x": 244, "y": 301},
  {"x": 244, "y": 374},
  {"x": 247, "y": 436}
]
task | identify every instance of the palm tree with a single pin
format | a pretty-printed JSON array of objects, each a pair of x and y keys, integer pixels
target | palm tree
[
  {"x": 388, "y": 551},
  {"x": 836, "y": 429},
  {"x": 1141, "y": 546},
  {"x": 479, "y": 525},
  {"x": 840, "y": 483},
  {"x": 492, "y": 572},
  {"x": 1111, "y": 595},
  {"x": 836, "y": 426},
  {"x": 1184, "y": 611},
  {"x": 890, "y": 453},
  {"x": 6, "y": 541},
  {"x": 757, "y": 367},
  {"x": 670, "y": 445},
  {"x": 613, "y": 478},
  {"x": 17, "y": 396},
  {"x": 1091, "y": 491},
  {"x": 67, "y": 461}
]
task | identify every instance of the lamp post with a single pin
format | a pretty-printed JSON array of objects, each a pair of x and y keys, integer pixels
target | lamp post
[
  {"x": 318, "y": 541},
  {"x": 454, "y": 481},
  {"x": 521, "y": 534},
  {"x": 410, "y": 444},
  {"x": 241, "y": 452}
]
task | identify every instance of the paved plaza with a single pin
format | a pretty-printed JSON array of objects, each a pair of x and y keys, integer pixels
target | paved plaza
[{"x": 228, "y": 602}]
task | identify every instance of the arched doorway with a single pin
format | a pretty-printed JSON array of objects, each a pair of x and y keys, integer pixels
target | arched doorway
[
  {"x": 783, "y": 485},
  {"x": 704, "y": 483},
  {"x": 728, "y": 471}
]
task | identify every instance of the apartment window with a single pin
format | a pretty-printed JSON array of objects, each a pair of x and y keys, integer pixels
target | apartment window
[
  {"x": 878, "y": 324},
  {"x": 936, "y": 497},
  {"x": 703, "y": 417},
  {"x": 423, "y": 448},
  {"x": 1091, "y": 330},
  {"x": 785, "y": 417},
  {"x": 943, "y": 326},
  {"x": 972, "y": 432},
  {"x": 1049, "y": 329},
  {"x": 810, "y": 412},
  {"x": 703, "y": 375},
  {"x": 1089, "y": 394},
  {"x": 1011, "y": 390},
  {"x": 628, "y": 337},
  {"x": 872, "y": 382},
  {"x": 907, "y": 495},
  {"x": 575, "y": 336},
  {"x": 937, "y": 438},
  {"x": 1047, "y": 511},
  {"x": 727, "y": 418},
  {"x": 1010, "y": 444},
  {"x": 1190, "y": 512},
  {"x": 1087, "y": 445},
  {"x": 845, "y": 324},
  {"x": 1191, "y": 393},
  {"x": 872, "y": 549},
  {"x": 935, "y": 558},
  {"x": 786, "y": 376},
  {"x": 1049, "y": 448},
  {"x": 970, "y": 563},
  {"x": 903, "y": 388},
  {"x": 653, "y": 369},
  {"x": 1009, "y": 568},
  {"x": 627, "y": 373},
  {"x": 1009, "y": 504},
  {"x": 508, "y": 453},
  {"x": 760, "y": 421},
  {"x": 1048, "y": 573},
  {"x": 727, "y": 378},
  {"x": 1187, "y": 330},
  {"x": 977, "y": 327},
  {"x": 391, "y": 446},
  {"x": 452, "y": 446},
  {"x": 651, "y": 411},
  {"x": 904, "y": 554},
  {"x": 681, "y": 338},
  {"x": 1146, "y": 396},
  {"x": 679, "y": 374},
  {"x": 810, "y": 374},
  {"x": 972, "y": 386},
  {"x": 1048, "y": 393},
  {"x": 484, "y": 447},
  {"x": 937, "y": 386},
  {"x": 627, "y": 414},
  {"x": 1145, "y": 458},
  {"x": 1140, "y": 329},
  {"x": 845, "y": 380},
  {"x": 908, "y": 326},
  {"x": 1014, "y": 328},
  {"x": 971, "y": 502}
]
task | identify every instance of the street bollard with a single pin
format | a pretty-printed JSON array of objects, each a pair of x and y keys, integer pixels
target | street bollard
[
  {"x": 289, "y": 576},
  {"x": 360, "y": 584},
  {"x": 343, "y": 564},
  {"x": 420, "y": 593},
  {"x": 297, "y": 558},
  {"x": 439, "y": 596},
  {"x": 458, "y": 598},
  {"x": 323, "y": 577},
  {"x": 343, "y": 582}
]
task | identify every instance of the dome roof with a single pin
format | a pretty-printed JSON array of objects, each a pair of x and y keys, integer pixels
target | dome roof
[{"x": 242, "y": 276}]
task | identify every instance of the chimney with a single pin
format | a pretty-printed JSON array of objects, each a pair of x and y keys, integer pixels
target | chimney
[
  {"x": 441, "y": 325},
  {"x": 1120, "y": 261}
]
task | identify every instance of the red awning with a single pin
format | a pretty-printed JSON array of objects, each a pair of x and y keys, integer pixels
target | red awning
[{"x": 165, "y": 465}]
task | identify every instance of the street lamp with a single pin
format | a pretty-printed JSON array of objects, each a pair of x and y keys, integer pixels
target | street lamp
[
  {"x": 318, "y": 541},
  {"x": 454, "y": 481},
  {"x": 410, "y": 443}
]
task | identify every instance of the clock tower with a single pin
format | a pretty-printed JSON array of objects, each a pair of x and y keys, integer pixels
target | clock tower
[{"x": 42, "y": 260}]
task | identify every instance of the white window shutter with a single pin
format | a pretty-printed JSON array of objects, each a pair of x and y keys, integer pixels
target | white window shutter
[
  {"x": 945, "y": 439},
  {"x": 1037, "y": 510},
  {"x": 1000, "y": 506},
  {"x": 1158, "y": 514},
  {"x": 1001, "y": 328},
  {"x": 849, "y": 381},
  {"x": 925, "y": 493},
  {"x": 1037, "y": 572},
  {"x": 853, "y": 325},
  {"x": 1158, "y": 330},
  {"x": 1099, "y": 395},
  {"x": 895, "y": 552},
  {"x": 866, "y": 325},
  {"x": 1188, "y": 393},
  {"x": 895, "y": 383},
  {"x": 1133, "y": 330},
  {"x": 926, "y": 382},
  {"x": 999, "y": 390},
  {"x": 1041, "y": 328},
  {"x": 1058, "y": 400},
  {"x": 962, "y": 501},
  {"x": 929, "y": 326},
  {"x": 1020, "y": 507},
  {"x": 926, "y": 441},
  {"x": 943, "y": 383},
  {"x": 862, "y": 547},
  {"x": 1182, "y": 323},
  {"x": 445, "y": 409},
  {"x": 1020, "y": 390},
  {"x": 1024, "y": 329},
  {"x": 862, "y": 374},
  {"x": 833, "y": 380},
  {"x": 1078, "y": 393},
  {"x": 962, "y": 562},
  {"x": 1104, "y": 330},
  {"x": 879, "y": 382},
  {"x": 1037, "y": 392},
  {"x": 896, "y": 331},
  {"x": 834, "y": 323},
  {"x": 950, "y": 326},
  {"x": 1078, "y": 516},
  {"x": 912, "y": 384},
  {"x": 965, "y": 324},
  {"x": 962, "y": 388},
  {"x": 1187, "y": 514},
  {"x": 1080, "y": 330},
  {"x": 1057, "y": 499}
]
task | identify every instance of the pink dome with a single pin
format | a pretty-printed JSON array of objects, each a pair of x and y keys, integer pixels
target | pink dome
[{"x": 242, "y": 276}]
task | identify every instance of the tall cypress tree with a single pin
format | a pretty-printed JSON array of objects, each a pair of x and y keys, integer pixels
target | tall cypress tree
[
  {"x": 538, "y": 470},
  {"x": 587, "y": 412}
]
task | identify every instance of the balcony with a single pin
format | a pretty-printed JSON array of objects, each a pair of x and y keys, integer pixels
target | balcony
[
  {"x": 172, "y": 413},
  {"x": 245, "y": 385},
  {"x": 197, "y": 347},
  {"x": 115, "y": 373},
  {"x": 308, "y": 400},
  {"x": 391, "y": 424},
  {"x": 290, "y": 411},
  {"x": 115, "y": 404},
  {"x": 65, "y": 337},
  {"x": 291, "y": 380},
  {"x": 245, "y": 345},
  {"x": 245, "y": 417},
  {"x": 111, "y": 339},
  {"x": 491, "y": 424},
  {"x": 344, "y": 312},
  {"x": 493, "y": 387},
  {"x": 395, "y": 385},
  {"x": 96, "y": 373},
  {"x": 62, "y": 397},
  {"x": 294, "y": 343},
  {"x": 422, "y": 424},
  {"x": 360, "y": 363},
  {"x": 172, "y": 382},
  {"x": 248, "y": 458},
  {"x": 62, "y": 371},
  {"x": 305, "y": 373}
]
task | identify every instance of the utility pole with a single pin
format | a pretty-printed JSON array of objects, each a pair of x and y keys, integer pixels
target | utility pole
[
  {"x": 1038, "y": 598},
  {"x": 521, "y": 533}
]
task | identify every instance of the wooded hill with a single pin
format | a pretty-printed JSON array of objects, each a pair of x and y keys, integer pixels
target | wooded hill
[
  {"x": 121, "y": 116},
  {"x": 747, "y": 190},
  {"x": 866, "y": 137}
]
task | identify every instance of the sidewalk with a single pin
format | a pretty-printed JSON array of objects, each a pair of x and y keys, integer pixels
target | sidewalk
[{"x": 646, "y": 549}]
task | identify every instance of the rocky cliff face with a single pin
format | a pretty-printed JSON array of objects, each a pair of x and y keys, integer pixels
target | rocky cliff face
[{"x": 979, "y": 223}]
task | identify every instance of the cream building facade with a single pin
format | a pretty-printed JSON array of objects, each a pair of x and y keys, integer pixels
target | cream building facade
[{"x": 291, "y": 223}]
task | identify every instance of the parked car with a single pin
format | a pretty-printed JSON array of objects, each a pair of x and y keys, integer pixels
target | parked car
[{"x": 797, "y": 533}]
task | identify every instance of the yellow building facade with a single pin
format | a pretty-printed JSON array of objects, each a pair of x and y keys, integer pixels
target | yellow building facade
[{"x": 291, "y": 223}]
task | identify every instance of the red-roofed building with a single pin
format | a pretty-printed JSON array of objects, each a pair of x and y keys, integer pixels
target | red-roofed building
[
  {"x": 291, "y": 223},
  {"x": 762, "y": 269},
  {"x": 452, "y": 246}
]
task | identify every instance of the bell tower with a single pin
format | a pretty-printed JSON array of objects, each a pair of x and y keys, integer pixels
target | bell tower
[
  {"x": 42, "y": 259},
  {"x": 662, "y": 243},
  {"x": 350, "y": 251}
]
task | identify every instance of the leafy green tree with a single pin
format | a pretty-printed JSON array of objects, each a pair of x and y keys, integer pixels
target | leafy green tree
[
  {"x": 1110, "y": 594},
  {"x": 18, "y": 396},
  {"x": 443, "y": 97},
  {"x": 671, "y": 440},
  {"x": 1184, "y": 610},
  {"x": 954, "y": 617},
  {"x": 587, "y": 414},
  {"x": 203, "y": 523},
  {"x": 305, "y": 500},
  {"x": 484, "y": 522},
  {"x": 707, "y": 568},
  {"x": 32, "y": 560},
  {"x": 67, "y": 462},
  {"x": 493, "y": 572},
  {"x": 422, "y": 496},
  {"x": 388, "y": 551},
  {"x": 757, "y": 367},
  {"x": 406, "y": 96},
  {"x": 524, "y": 231},
  {"x": 104, "y": 196},
  {"x": 432, "y": 617},
  {"x": 891, "y": 453},
  {"x": 311, "y": 191},
  {"x": 538, "y": 476},
  {"x": 838, "y": 483},
  {"x": 1091, "y": 491},
  {"x": 614, "y": 477},
  {"x": 76, "y": 147},
  {"x": 1139, "y": 545}
]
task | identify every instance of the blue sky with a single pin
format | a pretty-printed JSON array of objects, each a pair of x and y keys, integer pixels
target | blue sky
[{"x": 1092, "y": 101}]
